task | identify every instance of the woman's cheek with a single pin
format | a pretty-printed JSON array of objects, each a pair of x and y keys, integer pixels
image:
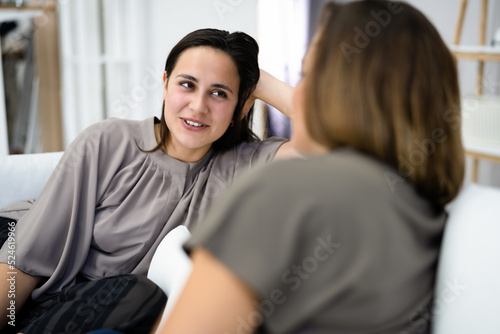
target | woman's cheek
[{"x": 225, "y": 113}]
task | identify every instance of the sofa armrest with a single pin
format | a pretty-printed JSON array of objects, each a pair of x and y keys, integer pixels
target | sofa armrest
[
  {"x": 467, "y": 288},
  {"x": 171, "y": 267},
  {"x": 23, "y": 176}
]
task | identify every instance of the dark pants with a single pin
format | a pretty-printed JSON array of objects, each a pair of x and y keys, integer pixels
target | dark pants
[{"x": 128, "y": 303}]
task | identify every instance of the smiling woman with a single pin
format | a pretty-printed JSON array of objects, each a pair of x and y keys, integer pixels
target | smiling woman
[
  {"x": 214, "y": 61},
  {"x": 200, "y": 100},
  {"x": 122, "y": 185}
]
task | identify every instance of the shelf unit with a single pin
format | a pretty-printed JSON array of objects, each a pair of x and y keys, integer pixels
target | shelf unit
[
  {"x": 10, "y": 13},
  {"x": 480, "y": 53}
]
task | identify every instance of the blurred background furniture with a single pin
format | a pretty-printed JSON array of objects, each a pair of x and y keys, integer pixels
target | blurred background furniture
[
  {"x": 9, "y": 14},
  {"x": 30, "y": 118},
  {"x": 481, "y": 121}
]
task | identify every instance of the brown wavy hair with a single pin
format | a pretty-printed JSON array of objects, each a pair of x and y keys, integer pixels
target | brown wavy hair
[
  {"x": 243, "y": 50},
  {"x": 383, "y": 82}
]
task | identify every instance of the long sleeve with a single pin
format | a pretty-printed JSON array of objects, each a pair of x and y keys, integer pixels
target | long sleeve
[{"x": 53, "y": 238}]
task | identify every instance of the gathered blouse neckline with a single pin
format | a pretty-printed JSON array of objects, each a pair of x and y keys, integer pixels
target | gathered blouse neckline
[{"x": 165, "y": 161}]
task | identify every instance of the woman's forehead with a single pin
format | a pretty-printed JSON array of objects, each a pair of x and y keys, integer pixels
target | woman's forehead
[{"x": 207, "y": 63}]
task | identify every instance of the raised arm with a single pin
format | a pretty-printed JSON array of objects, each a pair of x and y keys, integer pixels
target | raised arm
[
  {"x": 275, "y": 92},
  {"x": 278, "y": 94},
  {"x": 272, "y": 91}
]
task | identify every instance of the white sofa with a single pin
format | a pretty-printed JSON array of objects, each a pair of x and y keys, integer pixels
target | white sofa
[
  {"x": 23, "y": 176},
  {"x": 468, "y": 281}
]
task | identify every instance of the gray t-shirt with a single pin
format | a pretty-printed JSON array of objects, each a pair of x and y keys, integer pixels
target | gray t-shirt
[
  {"x": 108, "y": 204},
  {"x": 333, "y": 244}
]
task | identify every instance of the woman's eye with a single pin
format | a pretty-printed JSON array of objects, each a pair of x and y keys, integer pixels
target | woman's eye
[
  {"x": 187, "y": 84},
  {"x": 220, "y": 93}
]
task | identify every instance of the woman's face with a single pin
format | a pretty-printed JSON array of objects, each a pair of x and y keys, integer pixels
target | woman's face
[{"x": 200, "y": 97}]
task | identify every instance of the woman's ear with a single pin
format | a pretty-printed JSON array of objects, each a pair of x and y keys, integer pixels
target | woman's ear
[{"x": 165, "y": 82}]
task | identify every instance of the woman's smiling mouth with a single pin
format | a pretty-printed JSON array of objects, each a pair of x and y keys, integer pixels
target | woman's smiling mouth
[{"x": 193, "y": 124}]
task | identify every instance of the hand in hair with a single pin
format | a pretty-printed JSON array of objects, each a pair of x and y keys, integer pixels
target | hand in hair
[{"x": 272, "y": 91}]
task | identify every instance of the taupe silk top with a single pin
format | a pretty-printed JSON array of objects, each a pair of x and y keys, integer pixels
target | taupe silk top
[{"x": 108, "y": 204}]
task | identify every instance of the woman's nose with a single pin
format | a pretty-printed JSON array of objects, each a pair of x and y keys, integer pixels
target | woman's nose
[{"x": 199, "y": 103}]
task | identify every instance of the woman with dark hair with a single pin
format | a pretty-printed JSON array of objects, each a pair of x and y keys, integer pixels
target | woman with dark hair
[
  {"x": 346, "y": 241},
  {"x": 84, "y": 247},
  {"x": 243, "y": 51}
]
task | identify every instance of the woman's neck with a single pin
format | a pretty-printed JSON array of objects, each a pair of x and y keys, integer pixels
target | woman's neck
[{"x": 179, "y": 153}]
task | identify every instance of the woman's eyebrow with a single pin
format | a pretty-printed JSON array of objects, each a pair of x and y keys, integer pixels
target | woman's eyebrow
[
  {"x": 221, "y": 86},
  {"x": 188, "y": 77},
  {"x": 217, "y": 85}
]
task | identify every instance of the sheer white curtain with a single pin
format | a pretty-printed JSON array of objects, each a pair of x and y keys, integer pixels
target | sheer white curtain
[
  {"x": 105, "y": 48},
  {"x": 282, "y": 32}
]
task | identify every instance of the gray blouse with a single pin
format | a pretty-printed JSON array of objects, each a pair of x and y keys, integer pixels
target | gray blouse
[{"x": 108, "y": 204}]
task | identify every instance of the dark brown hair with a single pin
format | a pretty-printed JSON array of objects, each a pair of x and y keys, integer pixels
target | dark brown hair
[
  {"x": 383, "y": 82},
  {"x": 243, "y": 50}
]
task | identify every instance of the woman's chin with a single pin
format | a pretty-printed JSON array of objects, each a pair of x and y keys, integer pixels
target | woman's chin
[{"x": 197, "y": 146}]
